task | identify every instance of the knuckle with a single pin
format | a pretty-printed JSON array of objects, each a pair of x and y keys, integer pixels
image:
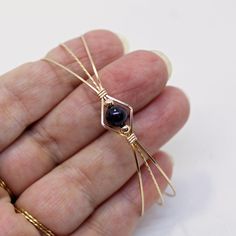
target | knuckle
[
  {"x": 80, "y": 179},
  {"x": 47, "y": 142}
]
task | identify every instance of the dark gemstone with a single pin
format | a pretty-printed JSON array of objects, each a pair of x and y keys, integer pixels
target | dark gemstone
[{"x": 116, "y": 116}]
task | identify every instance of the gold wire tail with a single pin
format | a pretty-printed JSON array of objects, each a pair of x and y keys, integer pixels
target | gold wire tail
[
  {"x": 145, "y": 156},
  {"x": 96, "y": 85},
  {"x": 140, "y": 180},
  {"x": 42, "y": 228},
  {"x": 162, "y": 172},
  {"x": 4, "y": 186}
]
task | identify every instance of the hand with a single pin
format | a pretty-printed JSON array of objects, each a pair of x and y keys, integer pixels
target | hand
[{"x": 57, "y": 159}]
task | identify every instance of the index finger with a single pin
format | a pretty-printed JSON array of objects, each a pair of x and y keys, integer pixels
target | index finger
[{"x": 31, "y": 90}]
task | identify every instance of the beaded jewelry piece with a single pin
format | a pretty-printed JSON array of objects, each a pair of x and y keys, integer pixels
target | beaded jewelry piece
[{"x": 117, "y": 116}]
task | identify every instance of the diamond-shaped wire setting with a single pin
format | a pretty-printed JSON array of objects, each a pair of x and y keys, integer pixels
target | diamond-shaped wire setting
[{"x": 120, "y": 112}]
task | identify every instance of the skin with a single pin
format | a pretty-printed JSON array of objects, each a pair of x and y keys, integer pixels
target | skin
[{"x": 64, "y": 168}]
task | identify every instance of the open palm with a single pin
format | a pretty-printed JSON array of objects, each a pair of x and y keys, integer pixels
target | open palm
[{"x": 57, "y": 159}]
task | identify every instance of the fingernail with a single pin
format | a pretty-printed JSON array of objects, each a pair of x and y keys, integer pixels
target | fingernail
[
  {"x": 125, "y": 43},
  {"x": 166, "y": 60},
  {"x": 171, "y": 160}
]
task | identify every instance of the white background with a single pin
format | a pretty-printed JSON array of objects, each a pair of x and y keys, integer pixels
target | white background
[{"x": 199, "y": 37}]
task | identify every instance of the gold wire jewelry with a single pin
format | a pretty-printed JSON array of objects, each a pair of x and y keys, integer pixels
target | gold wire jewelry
[
  {"x": 42, "y": 228},
  {"x": 4, "y": 186},
  {"x": 110, "y": 107}
]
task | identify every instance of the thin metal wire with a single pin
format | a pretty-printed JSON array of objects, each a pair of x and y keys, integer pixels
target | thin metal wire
[
  {"x": 5, "y": 187},
  {"x": 140, "y": 180},
  {"x": 140, "y": 146},
  {"x": 70, "y": 71},
  {"x": 42, "y": 228},
  {"x": 102, "y": 94},
  {"x": 152, "y": 176},
  {"x": 132, "y": 138},
  {"x": 91, "y": 61},
  {"x": 81, "y": 65}
]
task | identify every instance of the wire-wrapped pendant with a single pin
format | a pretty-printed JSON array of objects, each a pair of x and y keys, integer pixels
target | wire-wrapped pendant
[{"x": 117, "y": 116}]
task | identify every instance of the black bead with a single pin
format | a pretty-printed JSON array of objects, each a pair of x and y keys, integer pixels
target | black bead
[{"x": 116, "y": 116}]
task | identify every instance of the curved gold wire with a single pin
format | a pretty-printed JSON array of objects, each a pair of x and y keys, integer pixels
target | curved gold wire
[
  {"x": 91, "y": 61},
  {"x": 140, "y": 181},
  {"x": 42, "y": 228},
  {"x": 70, "y": 71},
  {"x": 153, "y": 178},
  {"x": 5, "y": 187},
  {"x": 140, "y": 146},
  {"x": 81, "y": 65}
]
